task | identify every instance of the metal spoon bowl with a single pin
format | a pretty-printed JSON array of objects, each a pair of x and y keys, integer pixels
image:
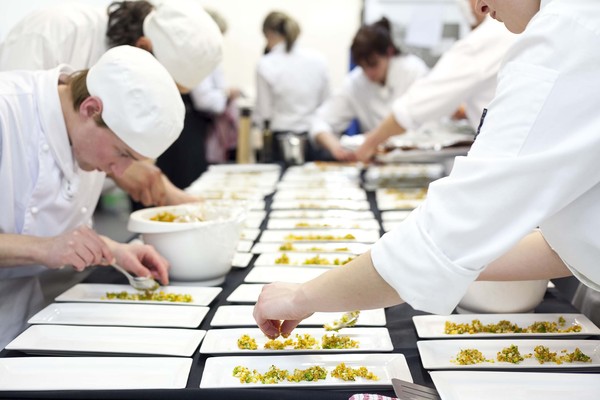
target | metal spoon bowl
[
  {"x": 138, "y": 282},
  {"x": 347, "y": 320}
]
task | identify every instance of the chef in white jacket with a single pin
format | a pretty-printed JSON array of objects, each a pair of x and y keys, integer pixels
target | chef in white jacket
[
  {"x": 291, "y": 81},
  {"x": 179, "y": 33},
  {"x": 534, "y": 164},
  {"x": 465, "y": 75},
  {"x": 60, "y": 133},
  {"x": 382, "y": 75}
]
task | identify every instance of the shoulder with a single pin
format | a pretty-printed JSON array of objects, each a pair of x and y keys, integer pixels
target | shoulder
[{"x": 409, "y": 62}]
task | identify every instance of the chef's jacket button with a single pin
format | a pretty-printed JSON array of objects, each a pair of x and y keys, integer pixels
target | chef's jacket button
[
  {"x": 34, "y": 210},
  {"x": 83, "y": 210},
  {"x": 45, "y": 147}
]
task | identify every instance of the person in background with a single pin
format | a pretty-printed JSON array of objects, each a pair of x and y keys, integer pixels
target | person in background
[
  {"x": 383, "y": 74},
  {"x": 214, "y": 98},
  {"x": 291, "y": 81},
  {"x": 60, "y": 134},
  {"x": 178, "y": 33},
  {"x": 465, "y": 75},
  {"x": 533, "y": 164}
]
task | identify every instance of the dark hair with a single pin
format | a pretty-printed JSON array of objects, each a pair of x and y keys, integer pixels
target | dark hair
[
  {"x": 126, "y": 21},
  {"x": 373, "y": 39},
  {"x": 79, "y": 92},
  {"x": 283, "y": 24}
]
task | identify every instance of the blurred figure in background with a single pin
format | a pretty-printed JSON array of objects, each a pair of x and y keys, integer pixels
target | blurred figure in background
[
  {"x": 464, "y": 75},
  {"x": 216, "y": 100},
  {"x": 383, "y": 74},
  {"x": 292, "y": 82},
  {"x": 78, "y": 34}
]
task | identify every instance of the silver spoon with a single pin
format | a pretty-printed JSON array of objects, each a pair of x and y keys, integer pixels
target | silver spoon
[
  {"x": 348, "y": 319},
  {"x": 138, "y": 282}
]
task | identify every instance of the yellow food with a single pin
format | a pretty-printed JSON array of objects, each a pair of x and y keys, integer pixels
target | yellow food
[
  {"x": 150, "y": 296},
  {"x": 247, "y": 343},
  {"x": 338, "y": 342},
  {"x": 510, "y": 354},
  {"x": 301, "y": 342},
  {"x": 284, "y": 259},
  {"x": 470, "y": 357},
  {"x": 311, "y": 374},
  {"x": 319, "y": 237},
  {"x": 345, "y": 373},
  {"x": 505, "y": 326},
  {"x": 164, "y": 216}
]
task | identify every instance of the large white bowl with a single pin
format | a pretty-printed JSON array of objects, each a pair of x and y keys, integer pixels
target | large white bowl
[
  {"x": 200, "y": 253},
  {"x": 503, "y": 297}
]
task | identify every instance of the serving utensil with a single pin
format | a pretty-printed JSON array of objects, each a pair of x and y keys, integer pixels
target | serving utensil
[
  {"x": 138, "y": 282},
  {"x": 411, "y": 391},
  {"x": 348, "y": 319}
]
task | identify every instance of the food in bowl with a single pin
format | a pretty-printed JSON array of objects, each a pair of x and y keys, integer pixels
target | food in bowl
[{"x": 199, "y": 242}]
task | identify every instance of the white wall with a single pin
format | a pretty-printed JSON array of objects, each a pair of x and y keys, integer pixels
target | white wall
[{"x": 328, "y": 26}]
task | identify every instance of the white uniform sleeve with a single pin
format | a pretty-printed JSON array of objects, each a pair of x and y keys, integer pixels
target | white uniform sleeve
[
  {"x": 211, "y": 94},
  {"x": 536, "y": 153},
  {"x": 263, "y": 109},
  {"x": 28, "y": 51},
  {"x": 334, "y": 115}
]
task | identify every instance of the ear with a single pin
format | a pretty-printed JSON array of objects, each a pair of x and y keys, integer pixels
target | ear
[
  {"x": 91, "y": 107},
  {"x": 144, "y": 43}
]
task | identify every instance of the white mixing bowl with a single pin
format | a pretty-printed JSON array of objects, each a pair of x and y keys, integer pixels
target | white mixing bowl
[
  {"x": 502, "y": 297},
  {"x": 200, "y": 252}
]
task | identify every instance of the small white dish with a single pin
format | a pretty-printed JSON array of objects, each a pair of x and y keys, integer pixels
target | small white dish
[
  {"x": 320, "y": 235},
  {"x": 344, "y": 214},
  {"x": 298, "y": 247},
  {"x": 245, "y": 293},
  {"x": 355, "y": 205},
  {"x": 241, "y": 260},
  {"x": 283, "y": 274},
  {"x": 322, "y": 223}
]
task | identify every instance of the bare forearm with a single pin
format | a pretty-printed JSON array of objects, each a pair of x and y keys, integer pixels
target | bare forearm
[
  {"x": 174, "y": 195},
  {"x": 328, "y": 141},
  {"x": 350, "y": 287},
  {"x": 386, "y": 129},
  {"x": 20, "y": 250},
  {"x": 532, "y": 258}
]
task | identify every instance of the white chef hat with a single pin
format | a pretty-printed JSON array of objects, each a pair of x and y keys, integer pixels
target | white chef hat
[
  {"x": 466, "y": 9},
  {"x": 185, "y": 39},
  {"x": 140, "y": 101}
]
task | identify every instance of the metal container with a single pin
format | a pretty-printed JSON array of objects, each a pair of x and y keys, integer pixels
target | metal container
[{"x": 292, "y": 147}]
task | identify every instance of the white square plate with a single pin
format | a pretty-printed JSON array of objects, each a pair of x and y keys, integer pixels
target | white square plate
[
  {"x": 249, "y": 234},
  {"x": 339, "y": 235},
  {"x": 75, "y": 340},
  {"x": 299, "y": 247},
  {"x": 218, "y": 371},
  {"x": 356, "y": 205},
  {"x": 432, "y": 326},
  {"x": 93, "y": 293},
  {"x": 283, "y": 274},
  {"x": 301, "y": 259},
  {"x": 493, "y": 385},
  {"x": 345, "y": 214},
  {"x": 241, "y": 260},
  {"x": 244, "y": 246},
  {"x": 245, "y": 293},
  {"x": 227, "y": 316},
  {"x": 322, "y": 223},
  {"x": 93, "y": 373},
  {"x": 436, "y": 354},
  {"x": 224, "y": 341},
  {"x": 120, "y": 315}
]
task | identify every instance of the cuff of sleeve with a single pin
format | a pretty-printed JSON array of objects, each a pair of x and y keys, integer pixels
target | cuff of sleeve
[
  {"x": 316, "y": 129},
  {"x": 402, "y": 115},
  {"x": 423, "y": 276}
]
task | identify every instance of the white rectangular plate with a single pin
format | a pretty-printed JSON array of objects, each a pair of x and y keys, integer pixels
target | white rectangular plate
[
  {"x": 360, "y": 236},
  {"x": 300, "y": 259},
  {"x": 244, "y": 246},
  {"x": 253, "y": 223},
  {"x": 245, "y": 293},
  {"x": 227, "y": 316},
  {"x": 436, "y": 354},
  {"x": 241, "y": 260},
  {"x": 494, "y": 385},
  {"x": 407, "y": 204},
  {"x": 218, "y": 370},
  {"x": 432, "y": 326},
  {"x": 356, "y": 205},
  {"x": 322, "y": 223},
  {"x": 283, "y": 274},
  {"x": 321, "y": 194},
  {"x": 93, "y": 373},
  {"x": 224, "y": 341},
  {"x": 57, "y": 339},
  {"x": 120, "y": 315},
  {"x": 299, "y": 247},
  {"x": 249, "y": 234},
  {"x": 345, "y": 214},
  {"x": 318, "y": 185},
  {"x": 93, "y": 293},
  {"x": 390, "y": 225},
  {"x": 393, "y": 216}
]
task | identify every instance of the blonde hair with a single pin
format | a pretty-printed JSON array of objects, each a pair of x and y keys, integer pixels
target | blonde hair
[
  {"x": 284, "y": 25},
  {"x": 79, "y": 92}
]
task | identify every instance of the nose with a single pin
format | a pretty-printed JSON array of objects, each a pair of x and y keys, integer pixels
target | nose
[{"x": 482, "y": 7}]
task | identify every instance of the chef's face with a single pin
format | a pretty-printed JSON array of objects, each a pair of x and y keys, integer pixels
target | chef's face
[
  {"x": 376, "y": 67},
  {"x": 515, "y": 14},
  {"x": 100, "y": 149}
]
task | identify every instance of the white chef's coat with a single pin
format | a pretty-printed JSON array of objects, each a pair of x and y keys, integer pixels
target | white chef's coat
[
  {"x": 44, "y": 193},
  {"x": 290, "y": 88},
  {"x": 70, "y": 33},
  {"x": 466, "y": 74},
  {"x": 211, "y": 94},
  {"x": 535, "y": 163},
  {"x": 367, "y": 101}
]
